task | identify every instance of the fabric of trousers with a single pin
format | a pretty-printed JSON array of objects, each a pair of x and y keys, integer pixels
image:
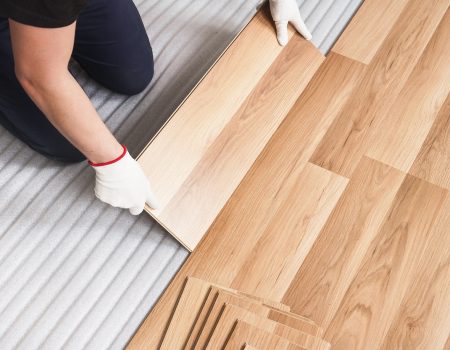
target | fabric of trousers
[{"x": 111, "y": 45}]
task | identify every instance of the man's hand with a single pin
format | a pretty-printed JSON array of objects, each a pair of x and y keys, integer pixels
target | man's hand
[
  {"x": 122, "y": 183},
  {"x": 283, "y": 12}
]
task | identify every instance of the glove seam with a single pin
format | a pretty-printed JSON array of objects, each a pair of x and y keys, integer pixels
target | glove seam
[{"x": 111, "y": 161}]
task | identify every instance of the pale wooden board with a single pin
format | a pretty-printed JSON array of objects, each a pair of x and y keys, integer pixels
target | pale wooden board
[
  {"x": 186, "y": 312},
  {"x": 390, "y": 264},
  {"x": 346, "y": 140},
  {"x": 426, "y": 303},
  {"x": 378, "y": 253},
  {"x": 209, "y": 317},
  {"x": 249, "y": 347},
  {"x": 231, "y": 314},
  {"x": 368, "y": 29},
  {"x": 397, "y": 137},
  {"x": 245, "y": 333},
  {"x": 207, "y": 147},
  {"x": 433, "y": 161},
  {"x": 344, "y": 241}
]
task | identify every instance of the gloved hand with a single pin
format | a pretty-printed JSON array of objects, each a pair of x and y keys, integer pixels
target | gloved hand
[
  {"x": 122, "y": 183},
  {"x": 283, "y": 12}
]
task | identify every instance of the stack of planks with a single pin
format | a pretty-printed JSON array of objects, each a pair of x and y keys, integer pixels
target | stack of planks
[{"x": 209, "y": 317}]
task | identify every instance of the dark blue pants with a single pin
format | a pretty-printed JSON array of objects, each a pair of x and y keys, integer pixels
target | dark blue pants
[{"x": 111, "y": 45}]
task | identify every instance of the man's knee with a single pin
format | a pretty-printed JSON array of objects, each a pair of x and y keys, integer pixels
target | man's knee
[{"x": 132, "y": 81}]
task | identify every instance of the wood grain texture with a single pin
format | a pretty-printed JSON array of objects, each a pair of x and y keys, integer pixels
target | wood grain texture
[
  {"x": 231, "y": 314},
  {"x": 209, "y": 318},
  {"x": 395, "y": 253},
  {"x": 295, "y": 225},
  {"x": 346, "y": 140},
  {"x": 244, "y": 333},
  {"x": 397, "y": 137},
  {"x": 374, "y": 273},
  {"x": 368, "y": 29},
  {"x": 433, "y": 161},
  {"x": 343, "y": 242},
  {"x": 233, "y": 137}
]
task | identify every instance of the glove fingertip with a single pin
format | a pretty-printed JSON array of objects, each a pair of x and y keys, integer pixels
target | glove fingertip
[{"x": 136, "y": 210}]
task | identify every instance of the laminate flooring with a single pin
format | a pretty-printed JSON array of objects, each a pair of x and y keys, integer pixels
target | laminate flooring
[{"x": 344, "y": 215}]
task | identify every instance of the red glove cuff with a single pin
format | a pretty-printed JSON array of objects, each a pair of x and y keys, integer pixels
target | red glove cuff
[{"x": 111, "y": 161}]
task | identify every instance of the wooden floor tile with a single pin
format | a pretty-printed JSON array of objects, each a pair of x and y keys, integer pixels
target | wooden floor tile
[
  {"x": 372, "y": 299},
  {"x": 342, "y": 244},
  {"x": 397, "y": 137},
  {"x": 365, "y": 33},
  {"x": 245, "y": 333},
  {"x": 433, "y": 161}
]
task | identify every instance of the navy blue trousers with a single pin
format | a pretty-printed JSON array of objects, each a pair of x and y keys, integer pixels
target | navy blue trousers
[{"x": 111, "y": 45}]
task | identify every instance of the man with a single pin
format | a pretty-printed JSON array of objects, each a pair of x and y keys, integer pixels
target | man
[{"x": 44, "y": 106}]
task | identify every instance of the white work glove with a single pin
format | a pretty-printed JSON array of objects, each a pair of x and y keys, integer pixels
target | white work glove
[
  {"x": 283, "y": 12},
  {"x": 122, "y": 183}
]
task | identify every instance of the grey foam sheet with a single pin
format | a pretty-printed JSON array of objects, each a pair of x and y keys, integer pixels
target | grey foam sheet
[{"x": 74, "y": 272}]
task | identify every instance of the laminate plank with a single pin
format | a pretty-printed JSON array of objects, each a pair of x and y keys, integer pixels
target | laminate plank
[
  {"x": 335, "y": 257},
  {"x": 187, "y": 310},
  {"x": 372, "y": 299},
  {"x": 231, "y": 314},
  {"x": 212, "y": 181},
  {"x": 179, "y": 145},
  {"x": 209, "y": 318},
  {"x": 295, "y": 226},
  {"x": 423, "y": 319},
  {"x": 249, "y": 347},
  {"x": 397, "y": 137},
  {"x": 245, "y": 333},
  {"x": 346, "y": 140},
  {"x": 368, "y": 29},
  {"x": 433, "y": 161}
]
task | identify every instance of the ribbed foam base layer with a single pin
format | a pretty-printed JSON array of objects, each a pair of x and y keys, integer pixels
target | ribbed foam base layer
[{"x": 75, "y": 273}]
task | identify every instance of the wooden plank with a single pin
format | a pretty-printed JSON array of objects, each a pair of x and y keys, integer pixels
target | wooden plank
[
  {"x": 245, "y": 333},
  {"x": 433, "y": 161},
  {"x": 397, "y": 137},
  {"x": 249, "y": 347},
  {"x": 368, "y": 29},
  {"x": 295, "y": 226},
  {"x": 209, "y": 317},
  {"x": 202, "y": 159},
  {"x": 231, "y": 314},
  {"x": 395, "y": 253},
  {"x": 423, "y": 319},
  {"x": 186, "y": 312},
  {"x": 343, "y": 242},
  {"x": 346, "y": 140}
]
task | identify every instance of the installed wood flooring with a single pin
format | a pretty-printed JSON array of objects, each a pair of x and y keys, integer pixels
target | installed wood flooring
[{"x": 344, "y": 215}]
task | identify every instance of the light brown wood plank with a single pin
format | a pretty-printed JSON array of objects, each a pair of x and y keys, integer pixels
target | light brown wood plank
[
  {"x": 245, "y": 333},
  {"x": 295, "y": 227},
  {"x": 423, "y": 320},
  {"x": 210, "y": 184},
  {"x": 181, "y": 143},
  {"x": 346, "y": 140},
  {"x": 368, "y": 29},
  {"x": 249, "y": 347},
  {"x": 200, "y": 178},
  {"x": 433, "y": 161},
  {"x": 209, "y": 317},
  {"x": 231, "y": 314},
  {"x": 187, "y": 310},
  {"x": 372, "y": 299},
  {"x": 334, "y": 259},
  {"x": 397, "y": 137}
]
